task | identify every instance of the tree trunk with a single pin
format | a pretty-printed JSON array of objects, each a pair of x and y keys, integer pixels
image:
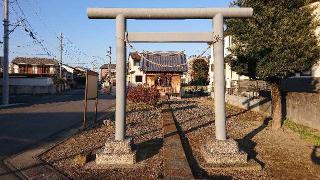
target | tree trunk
[{"x": 276, "y": 106}]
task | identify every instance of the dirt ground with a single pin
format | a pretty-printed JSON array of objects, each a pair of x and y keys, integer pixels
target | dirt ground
[
  {"x": 142, "y": 125},
  {"x": 282, "y": 154}
]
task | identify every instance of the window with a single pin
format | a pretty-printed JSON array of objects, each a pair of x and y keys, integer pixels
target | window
[
  {"x": 139, "y": 79},
  {"x": 23, "y": 69},
  {"x": 45, "y": 69},
  {"x": 136, "y": 62}
]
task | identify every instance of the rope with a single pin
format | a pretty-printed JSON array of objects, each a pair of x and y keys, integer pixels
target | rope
[{"x": 128, "y": 44}]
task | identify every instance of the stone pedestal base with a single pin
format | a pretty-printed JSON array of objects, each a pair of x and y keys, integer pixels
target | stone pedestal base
[
  {"x": 227, "y": 152},
  {"x": 117, "y": 152}
]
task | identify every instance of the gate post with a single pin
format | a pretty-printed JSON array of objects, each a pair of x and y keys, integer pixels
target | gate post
[
  {"x": 221, "y": 150},
  {"x": 219, "y": 79},
  {"x": 120, "y": 78},
  {"x": 120, "y": 150}
]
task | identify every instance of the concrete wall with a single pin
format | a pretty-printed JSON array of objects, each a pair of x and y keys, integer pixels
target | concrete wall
[
  {"x": 262, "y": 105},
  {"x": 31, "y": 86},
  {"x": 304, "y": 108},
  {"x": 29, "y": 81},
  {"x": 303, "y": 84}
]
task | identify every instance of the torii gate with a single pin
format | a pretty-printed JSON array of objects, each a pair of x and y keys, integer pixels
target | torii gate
[{"x": 122, "y": 14}]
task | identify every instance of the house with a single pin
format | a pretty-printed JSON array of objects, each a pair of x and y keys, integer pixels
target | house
[
  {"x": 135, "y": 74},
  {"x": 104, "y": 72},
  {"x": 35, "y": 67},
  {"x": 230, "y": 76},
  {"x": 160, "y": 69}
]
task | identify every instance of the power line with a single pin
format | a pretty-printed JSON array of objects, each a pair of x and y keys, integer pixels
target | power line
[{"x": 29, "y": 29}]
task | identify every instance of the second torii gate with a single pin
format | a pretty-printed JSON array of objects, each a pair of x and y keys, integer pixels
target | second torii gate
[{"x": 122, "y": 14}]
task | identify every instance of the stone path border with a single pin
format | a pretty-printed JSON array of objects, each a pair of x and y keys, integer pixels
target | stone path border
[{"x": 174, "y": 159}]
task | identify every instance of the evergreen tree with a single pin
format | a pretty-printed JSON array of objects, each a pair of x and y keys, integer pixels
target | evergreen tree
[
  {"x": 278, "y": 41},
  {"x": 200, "y": 72}
]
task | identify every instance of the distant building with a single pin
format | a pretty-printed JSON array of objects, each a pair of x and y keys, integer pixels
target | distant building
[
  {"x": 161, "y": 69},
  {"x": 229, "y": 74},
  {"x": 135, "y": 74},
  {"x": 34, "y": 66},
  {"x": 68, "y": 72},
  {"x": 104, "y": 72}
]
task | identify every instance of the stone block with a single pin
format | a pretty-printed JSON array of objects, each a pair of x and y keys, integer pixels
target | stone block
[
  {"x": 117, "y": 152},
  {"x": 223, "y": 152}
]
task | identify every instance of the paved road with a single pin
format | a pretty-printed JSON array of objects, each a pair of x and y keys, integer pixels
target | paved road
[{"x": 42, "y": 116}]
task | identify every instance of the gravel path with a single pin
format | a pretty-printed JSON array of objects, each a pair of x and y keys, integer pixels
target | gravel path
[
  {"x": 142, "y": 124},
  {"x": 282, "y": 154}
]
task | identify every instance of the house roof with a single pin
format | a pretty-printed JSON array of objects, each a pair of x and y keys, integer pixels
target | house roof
[
  {"x": 158, "y": 61},
  {"x": 106, "y": 66},
  {"x": 34, "y": 61}
]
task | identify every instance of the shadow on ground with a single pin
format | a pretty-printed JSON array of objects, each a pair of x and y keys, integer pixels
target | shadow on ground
[
  {"x": 315, "y": 155},
  {"x": 247, "y": 144}
]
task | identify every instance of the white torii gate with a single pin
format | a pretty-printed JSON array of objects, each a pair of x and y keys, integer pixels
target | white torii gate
[{"x": 216, "y": 14}]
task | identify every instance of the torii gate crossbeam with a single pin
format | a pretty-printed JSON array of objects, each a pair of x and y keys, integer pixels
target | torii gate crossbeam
[{"x": 216, "y": 14}]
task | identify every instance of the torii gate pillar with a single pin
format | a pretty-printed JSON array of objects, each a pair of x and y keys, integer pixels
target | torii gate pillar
[{"x": 219, "y": 85}]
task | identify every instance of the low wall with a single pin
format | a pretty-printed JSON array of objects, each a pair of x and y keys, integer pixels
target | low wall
[
  {"x": 33, "y": 89},
  {"x": 262, "y": 105},
  {"x": 304, "y": 108},
  {"x": 17, "y": 81},
  {"x": 301, "y": 84},
  {"x": 20, "y": 85}
]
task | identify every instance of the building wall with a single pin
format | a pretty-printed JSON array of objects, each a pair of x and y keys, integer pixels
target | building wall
[
  {"x": 150, "y": 79},
  {"x": 316, "y": 70},
  {"x": 229, "y": 74},
  {"x": 176, "y": 83},
  {"x": 105, "y": 72},
  {"x": 133, "y": 72}
]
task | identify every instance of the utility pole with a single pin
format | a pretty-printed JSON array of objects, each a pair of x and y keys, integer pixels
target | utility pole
[
  {"x": 109, "y": 69},
  {"x": 61, "y": 53},
  {"x": 109, "y": 55},
  {"x": 5, "y": 65}
]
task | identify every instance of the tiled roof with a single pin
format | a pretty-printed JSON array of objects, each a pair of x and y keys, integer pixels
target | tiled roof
[
  {"x": 35, "y": 61},
  {"x": 171, "y": 61},
  {"x": 106, "y": 66}
]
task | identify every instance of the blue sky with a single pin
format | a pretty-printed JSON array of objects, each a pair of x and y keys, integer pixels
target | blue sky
[{"x": 86, "y": 38}]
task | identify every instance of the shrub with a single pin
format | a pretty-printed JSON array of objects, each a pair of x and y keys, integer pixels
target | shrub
[{"x": 148, "y": 95}]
